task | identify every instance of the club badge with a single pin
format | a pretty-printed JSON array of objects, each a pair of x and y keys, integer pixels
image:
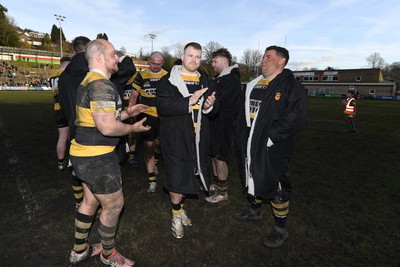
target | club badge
[{"x": 277, "y": 96}]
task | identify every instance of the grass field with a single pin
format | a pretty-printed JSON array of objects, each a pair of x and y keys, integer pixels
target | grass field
[{"x": 345, "y": 207}]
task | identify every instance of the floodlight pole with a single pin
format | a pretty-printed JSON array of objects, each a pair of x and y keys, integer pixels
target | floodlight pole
[
  {"x": 60, "y": 18},
  {"x": 152, "y": 37}
]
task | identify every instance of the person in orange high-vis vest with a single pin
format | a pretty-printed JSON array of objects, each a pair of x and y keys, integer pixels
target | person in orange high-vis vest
[{"x": 350, "y": 111}]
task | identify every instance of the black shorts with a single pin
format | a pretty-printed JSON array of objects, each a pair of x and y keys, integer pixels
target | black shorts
[
  {"x": 154, "y": 132},
  {"x": 61, "y": 119},
  {"x": 102, "y": 174}
]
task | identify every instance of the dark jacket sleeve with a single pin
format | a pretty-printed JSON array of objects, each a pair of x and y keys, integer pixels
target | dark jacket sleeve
[
  {"x": 228, "y": 91},
  {"x": 293, "y": 115},
  {"x": 126, "y": 69},
  {"x": 169, "y": 100}
]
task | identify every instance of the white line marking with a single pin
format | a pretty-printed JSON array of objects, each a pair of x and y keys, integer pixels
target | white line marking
[{"x": 28, "y": 199}]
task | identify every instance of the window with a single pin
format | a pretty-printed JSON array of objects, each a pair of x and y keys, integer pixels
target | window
[
  {"x": 371, "y": 91},
  {"x": 358, "y": 78},
  {"x": 310, "y": 78},
  {"x": 330, "y": 78}
]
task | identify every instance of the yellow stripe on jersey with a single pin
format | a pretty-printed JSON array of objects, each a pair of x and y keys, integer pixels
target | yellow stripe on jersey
[
  {"x": 84, "y": 117},
  {"x": 152, "y": 111},
  {"x": 262, "y": 82},
  {"x": 79, "y": 150},
  {"x": 95, "y": 94},
  {"x": 192, "y": 82},
  {"x": 146, "y": 84},
  {"x": 255, "y": 103},
  {"x": 57, "y": 106},
  {"x": 102, "y": 106},
  {"x": 56, "y": 73},
  {"x": 189, "y": 77},
  {"x": 92, "y": 76}
]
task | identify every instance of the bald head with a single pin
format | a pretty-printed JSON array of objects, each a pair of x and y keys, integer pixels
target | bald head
[
  {"x": 94, "y": 47},
  {"x": 101, "y": 54},
  {"x": 156, "y": 61}
]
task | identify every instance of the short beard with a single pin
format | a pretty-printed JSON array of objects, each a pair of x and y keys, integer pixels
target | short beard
[{"x": 114, "y": 70}]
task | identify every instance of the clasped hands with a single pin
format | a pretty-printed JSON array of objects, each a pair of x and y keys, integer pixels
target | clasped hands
[{"x": 209, "y": 102}]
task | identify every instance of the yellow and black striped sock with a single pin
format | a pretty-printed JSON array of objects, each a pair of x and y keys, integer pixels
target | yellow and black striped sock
[
  {"x": 255, "y": 204},
  {"x": 131, "y": 154},
  {"x": 280, "y": 211},
  {"x": 152, "y": 177},
  {"x": 222, "y": 187},
  {"x": 83, "y": 223},
  {"x": 107, "y": 235},
  {"x": 77, "y": 189},
  {"x": 176, "y": 208}
]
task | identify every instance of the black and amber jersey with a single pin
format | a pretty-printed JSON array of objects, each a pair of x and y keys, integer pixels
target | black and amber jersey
[
  {"x": 192, "y": 82},
  {"x": 256, "y": 96},
  {"x": 95, "y": 94},
  {"x": 53, "y": 80},
  {"x": 146, "y": 83},
  {"x": 127, "y": 91}
]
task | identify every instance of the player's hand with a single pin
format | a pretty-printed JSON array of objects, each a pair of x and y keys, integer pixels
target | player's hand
[
  {"x": 196, "y": 96},
  {"x": 209, "y": 101},
  {"x": 135, "y": 110},
  {"x": 139, "y": 127}
]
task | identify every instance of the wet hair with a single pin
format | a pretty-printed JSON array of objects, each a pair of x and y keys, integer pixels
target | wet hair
[
  {"x": 222, "y": 52},
  {"x": 196, "y": 46},
  {"x": 280, "y": 51},
  {"x": 79, "y": 43}
]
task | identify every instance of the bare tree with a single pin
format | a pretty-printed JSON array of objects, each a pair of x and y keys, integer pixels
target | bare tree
[
  {"x": 392, "y": 71},
  {"x": 251, "y": 61},
  {"x": 375, "y": 60},
  {"x": 178, "y": 50},
  {"x": 122, "y": 49},
  {"x": 165, "y": 51},
  {"x": 208, "y": 49},
  {"x": 169, "y": 60}
]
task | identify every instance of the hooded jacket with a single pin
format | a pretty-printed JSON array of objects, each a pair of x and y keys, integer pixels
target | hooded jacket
[
  {"x": 183, "y": 150},
  {"x": 126, "y": 69},
  {"x": 68, "y": 84},
  {"x": 228, "y": 87},
  {"x": 282, "y": 113}
]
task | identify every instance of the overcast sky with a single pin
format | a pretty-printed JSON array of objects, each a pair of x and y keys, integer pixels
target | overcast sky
[{"x": 317, "y": 33}]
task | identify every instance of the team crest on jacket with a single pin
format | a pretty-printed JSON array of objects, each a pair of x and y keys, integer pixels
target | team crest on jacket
[{"x": 277, "y": 96}]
